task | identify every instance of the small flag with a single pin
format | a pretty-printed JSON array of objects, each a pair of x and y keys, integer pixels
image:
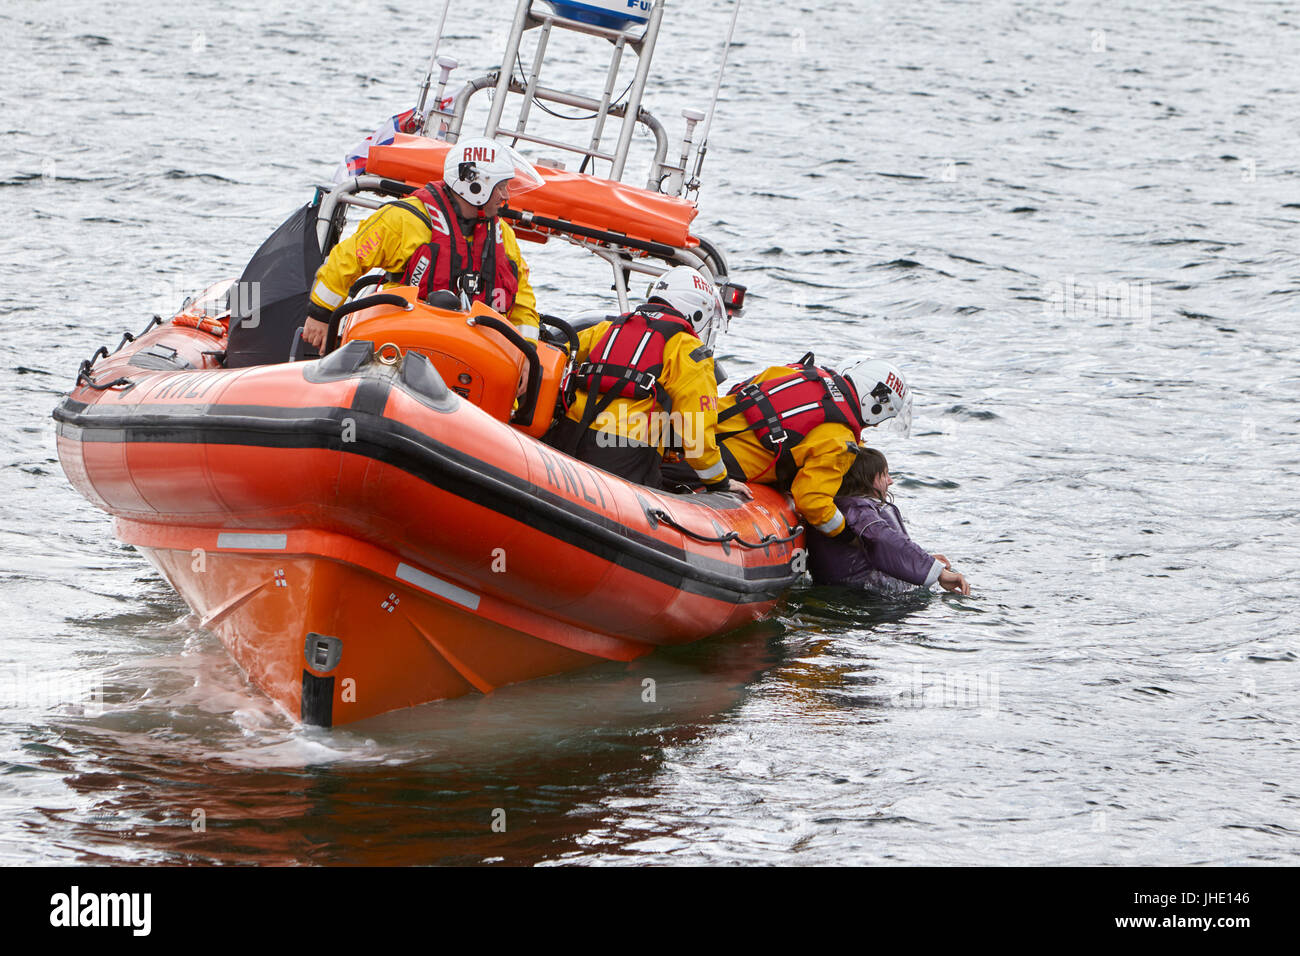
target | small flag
[{"x": 354, "y": 164}]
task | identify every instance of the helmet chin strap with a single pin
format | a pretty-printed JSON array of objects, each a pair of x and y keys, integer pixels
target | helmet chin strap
[{"x": 475, "y": 212}]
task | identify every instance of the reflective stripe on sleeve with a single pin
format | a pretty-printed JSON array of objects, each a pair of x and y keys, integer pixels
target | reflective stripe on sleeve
[
  {"x": 527, "y": 331},
  {"x": 712, "y": 474},
  {"x": 833, "y": 525},
  {"x": 323, "y": 292}
]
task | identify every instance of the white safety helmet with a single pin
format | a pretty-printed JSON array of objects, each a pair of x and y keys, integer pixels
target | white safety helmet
[
  {"x": 882, "y": 392},
  {"x": 695, "y": 297},
  {"x": 474, "y": 167}
]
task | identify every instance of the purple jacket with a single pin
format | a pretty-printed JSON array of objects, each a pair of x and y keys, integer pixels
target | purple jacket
[{"x": 873, "y": 552}]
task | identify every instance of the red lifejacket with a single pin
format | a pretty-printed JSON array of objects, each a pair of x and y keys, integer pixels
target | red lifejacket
[
  {"x": 446, "y": 261},
  {"x": 627, "y": 361},
  {"x": 782, "y": 411}
]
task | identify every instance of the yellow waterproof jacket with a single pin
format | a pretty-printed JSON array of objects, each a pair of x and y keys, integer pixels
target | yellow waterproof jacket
[
  {"x": 822, "y": 459},
  {"x": 387, "y": 240},
  {"x": 690, "y": 382}
]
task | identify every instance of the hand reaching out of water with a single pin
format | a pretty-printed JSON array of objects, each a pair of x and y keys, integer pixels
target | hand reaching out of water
[
  {"x": 942, "y": 560},
  {"x": 952, "y": 581}
]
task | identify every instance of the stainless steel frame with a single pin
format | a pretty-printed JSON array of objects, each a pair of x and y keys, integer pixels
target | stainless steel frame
[
  {"x": 503, "y": 82},
  {"x": 623, "y": 260}
]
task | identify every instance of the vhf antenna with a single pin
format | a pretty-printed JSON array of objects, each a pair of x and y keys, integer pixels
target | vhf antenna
[
  {"x": 693, "y": 186},
  {"x": 428, "y": 77}
]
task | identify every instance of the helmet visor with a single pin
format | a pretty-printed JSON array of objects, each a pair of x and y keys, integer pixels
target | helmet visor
[
  {"x": 720, "y": 320},
  {"x": 526, "y": 177},
  {"x": 901, "y": 424}
]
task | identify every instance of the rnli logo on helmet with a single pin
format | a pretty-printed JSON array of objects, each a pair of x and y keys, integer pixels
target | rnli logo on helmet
[
  {"x": 480, "y": 154},
  {"x": 702, "y": 285},
  {"x": 893, "y": 382}
]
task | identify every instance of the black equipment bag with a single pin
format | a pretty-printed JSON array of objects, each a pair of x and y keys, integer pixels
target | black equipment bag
[{"x": 269, "y": 302}]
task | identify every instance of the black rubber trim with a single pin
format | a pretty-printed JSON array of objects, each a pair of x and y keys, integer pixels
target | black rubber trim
[
  {"x": 344, "y": 362},
  {"x": 726, "y": 545},
  {"x": 396, "y": 187},
  {"x": 649, "y": 511},
  {"x": 711, "y": 251},
  {"x": 317, "y": 700},
  {"x": 564, "y": 328},
  {"x": 529, "y": 221},
  {"x": 442, "y": 466},
  {"x": 357, "y": 305},
  {"x": 528, "y": 401},
  {"x": 156, "y": 358},
  {"x": 366, "y": 282},
  {"x": 370, "y": 397},
  {"x": 423, "y": 381}
]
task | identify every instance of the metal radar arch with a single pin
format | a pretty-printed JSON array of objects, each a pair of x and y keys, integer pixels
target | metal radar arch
[{"x": 516, "y": 97}]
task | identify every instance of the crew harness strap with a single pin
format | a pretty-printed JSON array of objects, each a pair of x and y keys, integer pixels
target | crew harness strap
[
  {"x": 792, "y": 406},
  {"x": 460, "y": 277},
  {"x": 628, "y": 361}
]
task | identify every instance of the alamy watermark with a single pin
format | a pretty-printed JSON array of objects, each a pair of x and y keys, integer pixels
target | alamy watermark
[
  {"x": 624, "y": 428},
  {"x": 1075, "y": 299},
  {"x": 127, "y": 910},
  {"x": 24, "y": 687},
  {"x": 965, "y": 689},
  {"x": 169, "y": 296}
]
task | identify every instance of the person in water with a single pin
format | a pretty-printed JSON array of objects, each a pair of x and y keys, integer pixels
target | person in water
[
  {"x": 796, "y": 426},
  {"x": 876, "y": 553}
]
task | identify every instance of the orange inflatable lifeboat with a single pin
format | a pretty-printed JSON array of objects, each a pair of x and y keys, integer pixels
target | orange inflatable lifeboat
[{"x": 381, "y": 527}]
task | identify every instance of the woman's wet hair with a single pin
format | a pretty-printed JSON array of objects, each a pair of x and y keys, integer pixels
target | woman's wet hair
[{"x": 860, "y": 480}]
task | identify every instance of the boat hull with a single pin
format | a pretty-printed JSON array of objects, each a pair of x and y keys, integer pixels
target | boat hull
[
  {"x": 363, "y": 539},
  {"x": 326, "y": 629}
]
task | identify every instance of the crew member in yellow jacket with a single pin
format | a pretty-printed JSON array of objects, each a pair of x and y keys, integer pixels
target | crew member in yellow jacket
[
  {"x": 445, "y": 236},
  {"x": 645, "y": 376},
  {"x": 794, "y": 426}
]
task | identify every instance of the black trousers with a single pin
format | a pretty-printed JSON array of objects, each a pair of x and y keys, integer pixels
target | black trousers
[
  {"x": 678, "y": 475},
  {"x": 629, "y": 460}
]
